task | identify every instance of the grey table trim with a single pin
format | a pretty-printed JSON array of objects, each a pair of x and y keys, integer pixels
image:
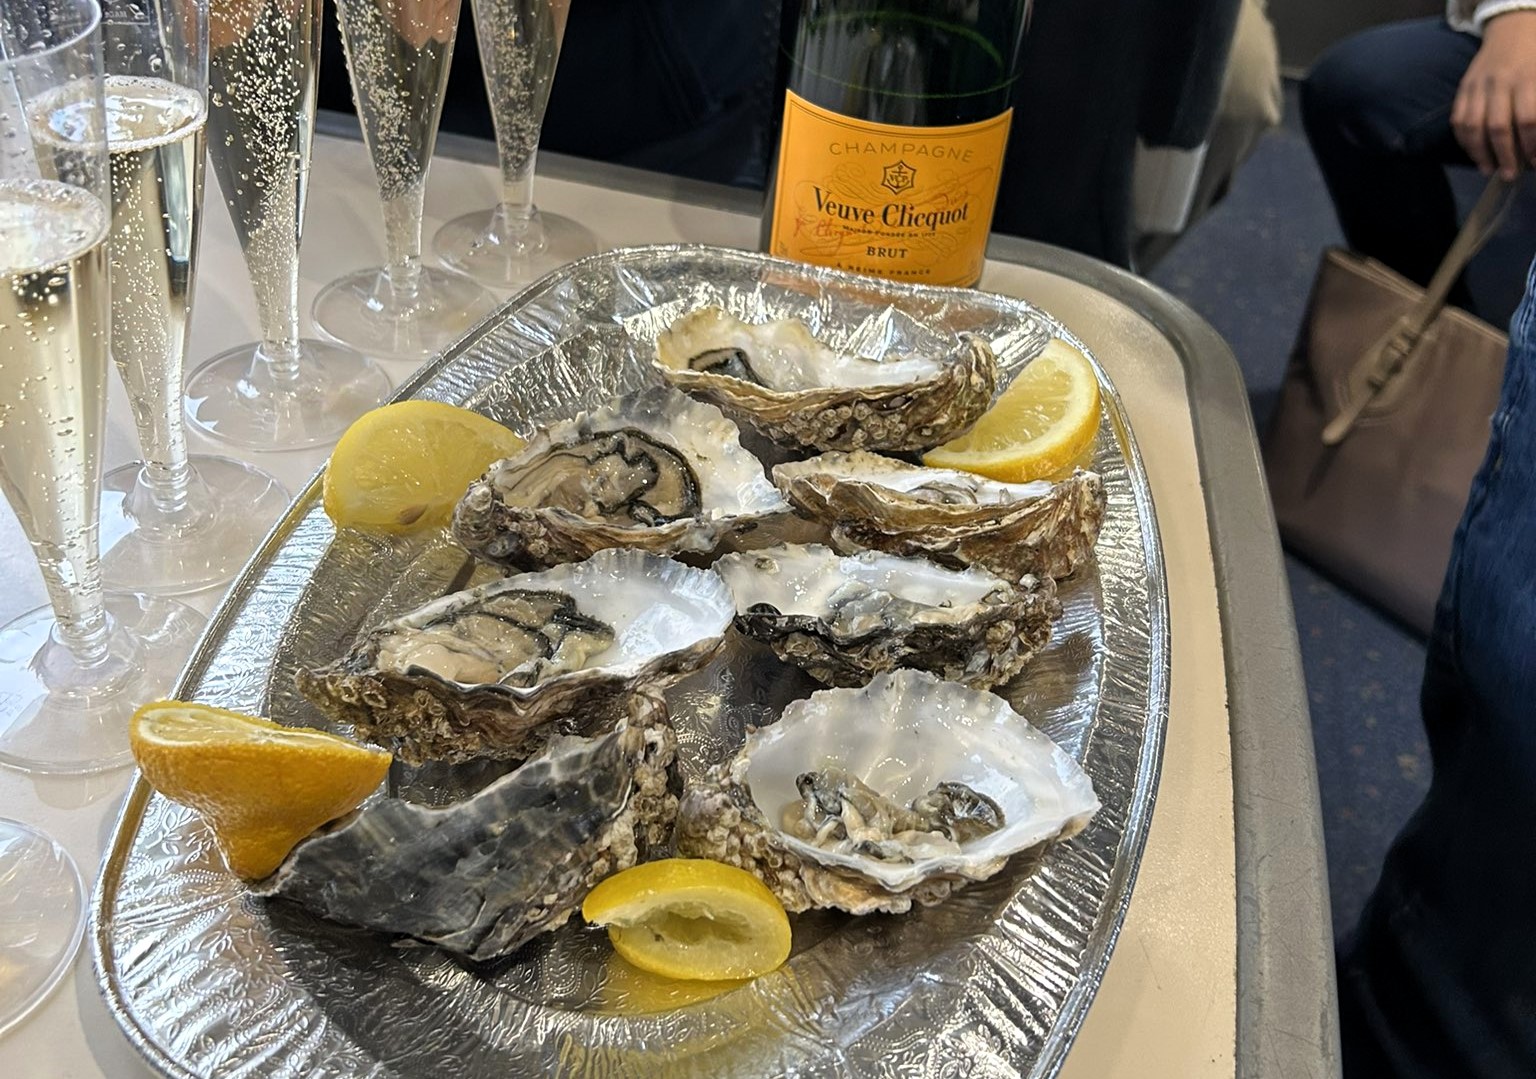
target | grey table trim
[
  {"x": 1287, "y": 1022},
  {"x": 1287, "y": 1016}
]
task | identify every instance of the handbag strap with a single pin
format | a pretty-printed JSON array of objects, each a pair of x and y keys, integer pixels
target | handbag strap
[{"x": 1384, "y": 361}]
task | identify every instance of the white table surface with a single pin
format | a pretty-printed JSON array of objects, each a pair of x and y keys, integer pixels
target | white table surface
[{"x": 1167, "y": 1006}]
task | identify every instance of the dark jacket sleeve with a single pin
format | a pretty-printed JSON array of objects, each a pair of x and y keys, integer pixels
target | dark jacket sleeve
[
  {"x": 1097, "y": 74},
  {"x": 1192, "y": 40}
]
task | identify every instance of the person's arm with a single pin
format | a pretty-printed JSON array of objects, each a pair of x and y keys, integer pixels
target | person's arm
[{"x": 1494, "y": 116}]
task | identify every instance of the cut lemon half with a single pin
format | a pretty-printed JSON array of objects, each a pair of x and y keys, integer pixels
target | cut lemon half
[
  {"x": 691, "y": 919},
  {"x": 260, "y": 786},
  {"x": 1043, "y": 423},
  {"x": 404, "y": 466}
]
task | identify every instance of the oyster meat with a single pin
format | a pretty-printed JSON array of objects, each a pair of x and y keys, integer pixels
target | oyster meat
[
  {"x": 483, "y": 876},
  {"x": 905, "y": 735},
  {"x": 653, "y": 470},
  {"x": 497, "y": 670},
  {"x": 777, "y": 377},
  {"x": 846, "y": 619},
  {"x": 839, "y": 812},
  {"x": 954, "y": 518}
]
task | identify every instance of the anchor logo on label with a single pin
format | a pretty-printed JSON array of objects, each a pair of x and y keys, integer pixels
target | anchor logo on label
[{"x": 899, "y": 177}]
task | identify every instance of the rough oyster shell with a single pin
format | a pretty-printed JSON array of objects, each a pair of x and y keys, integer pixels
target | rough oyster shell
[
  {"x": 846, "y": 619},
  {"x": 954, "y": 518},
  {"x": 653, "y": 470},
  {"x": 778, "y": 378},
  {"x": 483, "y": 876},
  {"x": 903, "y": 734},
  {"x": 398, "y": 684}
]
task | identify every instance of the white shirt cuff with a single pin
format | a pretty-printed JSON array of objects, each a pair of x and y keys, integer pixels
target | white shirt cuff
[{"x": 1490, "y": 8}]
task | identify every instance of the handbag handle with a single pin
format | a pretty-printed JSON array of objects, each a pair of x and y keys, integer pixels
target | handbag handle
[{"x": 1384, "y": 361}]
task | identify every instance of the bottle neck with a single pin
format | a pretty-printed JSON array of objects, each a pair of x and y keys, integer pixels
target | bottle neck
[{"x": 907, "y": 62}]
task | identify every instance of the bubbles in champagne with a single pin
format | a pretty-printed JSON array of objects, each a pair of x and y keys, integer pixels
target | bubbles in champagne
[
  {"x": 143, "y": 111},
  {"x": 53, "y": 362},
  {"x": 398, "y": 52},
  {"x": 155, "y": 132},
  {"x": 262, "y": 77},
  {"x": 44, "y": 224},
  {"x": 519, "y": 47}
]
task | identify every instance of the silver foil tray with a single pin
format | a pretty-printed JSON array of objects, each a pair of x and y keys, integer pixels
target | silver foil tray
[{"x": 207, "y": 981}]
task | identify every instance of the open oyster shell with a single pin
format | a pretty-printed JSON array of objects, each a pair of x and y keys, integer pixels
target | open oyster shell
[
  {"x": 483, "y": 876},
  {"x": 845, "y": 620},
  {"x": 955, "y": 518},
  {"x": 499, "y": 669},
  {"x": 653, "y": 470},
  {"x": 903, "y": 735},
  {"x": 780, "y": 379}
]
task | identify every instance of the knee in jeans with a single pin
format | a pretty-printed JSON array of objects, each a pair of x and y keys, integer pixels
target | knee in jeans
[
  {"x": 1327, "y": 93},
  {"x": 1339, "y": 93}
]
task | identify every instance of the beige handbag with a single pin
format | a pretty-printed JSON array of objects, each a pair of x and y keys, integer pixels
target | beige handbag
[{"x": 1383, "y": 421}]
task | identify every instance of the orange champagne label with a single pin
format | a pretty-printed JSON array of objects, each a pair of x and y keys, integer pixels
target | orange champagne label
[{"x": 908, "y": 203}]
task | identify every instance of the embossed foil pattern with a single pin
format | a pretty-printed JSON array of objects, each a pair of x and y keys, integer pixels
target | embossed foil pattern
[{"x": 209, "y": 982}]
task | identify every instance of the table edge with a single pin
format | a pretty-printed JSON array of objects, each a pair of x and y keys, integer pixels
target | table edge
[
  {"x": 1286, "y": 989},
  {"x": 1286, "y": 999}
]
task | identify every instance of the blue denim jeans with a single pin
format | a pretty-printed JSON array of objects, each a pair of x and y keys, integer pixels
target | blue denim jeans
[
  {"x": 1377, "y": 111},
  {"x": 1439, "y": 978}
]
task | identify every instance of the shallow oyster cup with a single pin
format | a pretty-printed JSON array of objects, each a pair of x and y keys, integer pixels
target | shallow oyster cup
[{"x": 903, "y": 734}]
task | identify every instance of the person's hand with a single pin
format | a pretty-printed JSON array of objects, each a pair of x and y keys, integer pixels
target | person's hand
[
  {"x": 421, "y": 21},
  {"x": 1495, "y": 112}
]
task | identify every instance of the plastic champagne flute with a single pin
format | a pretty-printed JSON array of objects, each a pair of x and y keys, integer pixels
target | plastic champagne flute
[
  {"x": 172, "y": 522},
  {"x": 398, "y": 53},
  {"x": 285, "y": 391},
  {"x": 71, "y": 672},
  {"x": 513, "y": 241}
]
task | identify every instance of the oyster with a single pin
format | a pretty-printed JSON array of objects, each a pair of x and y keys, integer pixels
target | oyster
[
  {"x": 839, "y": 812},
  {"x": 799, "y": 392},
  {"x": 845, "y": 620},
  {"x": 954, "y": 518},
  {"x": 903, "y": 735},
  {"x": 652, "y": 470},
  {"x": 497, "y": 670},
  {"x": 483, "y": 876}
]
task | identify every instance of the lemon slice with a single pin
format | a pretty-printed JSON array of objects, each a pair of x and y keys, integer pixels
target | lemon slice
[
  {"x": 691, "y": 919},
  {"x": 1040, "y": 426},
  {"x": 403, "y": 467},
  {"x": 260, "y": 786}
]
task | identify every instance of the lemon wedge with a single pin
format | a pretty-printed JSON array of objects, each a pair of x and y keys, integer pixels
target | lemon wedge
[
  {"x": 1042, "y": 424},
  {"x": 691, "y": 919},
  {"x": 403, "y": 467},
  {"x": 260, "y": 786}
]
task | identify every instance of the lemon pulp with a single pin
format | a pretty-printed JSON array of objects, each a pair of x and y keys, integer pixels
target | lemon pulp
[
  {"x": 261, "y": 787},
  {"x": 692, "y": 919},
  {"x": 404, "y": 466},
  {"x": 1043, "y": 423}
]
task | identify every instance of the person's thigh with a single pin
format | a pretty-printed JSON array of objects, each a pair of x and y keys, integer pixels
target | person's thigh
[
  {"x": 1390, "y": 89},
  {"x": 1437, "y": 983}
]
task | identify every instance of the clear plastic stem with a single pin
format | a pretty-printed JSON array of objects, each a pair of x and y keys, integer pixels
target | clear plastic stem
[
  {"x": 515, "y": 213},
  {"x": 402, "y": 238},
  {"x": 154, "y": 395},
  {"x": 72, "y": 575},
  {"x": 277, "y": 309}
]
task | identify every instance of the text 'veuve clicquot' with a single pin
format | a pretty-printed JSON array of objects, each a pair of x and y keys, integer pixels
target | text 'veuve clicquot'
[{"x": 895, "y": 122}]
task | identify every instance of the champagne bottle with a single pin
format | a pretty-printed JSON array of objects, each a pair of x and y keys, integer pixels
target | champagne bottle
[{"x": 895, "y": 122}]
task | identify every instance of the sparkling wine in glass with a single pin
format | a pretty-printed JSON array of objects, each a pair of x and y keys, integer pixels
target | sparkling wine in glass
[
  {"x": 70, "y": 673},
  {"x": 513, "y": 242},
  {"x": 172, "y": 522},
  {"x": 286, "y": 391},
  {"x": 398, "y": 52}
]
